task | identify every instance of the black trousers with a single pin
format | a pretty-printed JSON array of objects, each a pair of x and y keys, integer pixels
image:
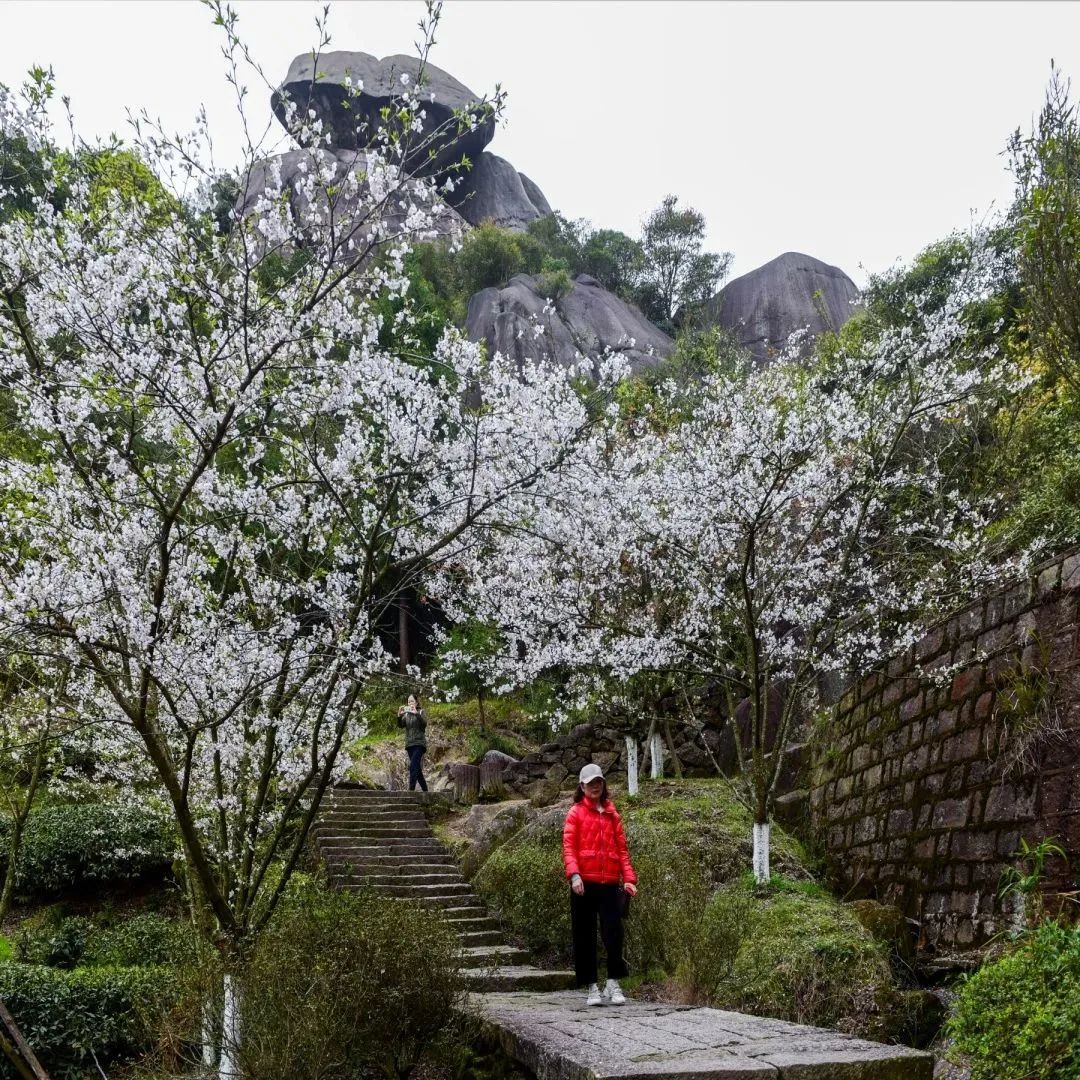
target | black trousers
[
  {"x": 416, "y": 776},
  {"x": 597, "y": 901}
]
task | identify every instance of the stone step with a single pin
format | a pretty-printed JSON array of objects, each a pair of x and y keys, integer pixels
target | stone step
[
  {"x": 508, "y": 978},
  {"x": 440, "y": 889},
  {"x": 442, "y": 900},
  {"x": 375, "y": 831},
  {"x": 341, "y": 862},
  {"x": 494, "y": 955},
  {"x": 422, "y": 845},
  {"x": 555, "y": 1035},
  {"x": 462, "y": 913},
  {"x": 362, "y": 836},
  {"x": 472, "y": 938},
  {"x": 378, "y": 881},
  {"x": 385, "y": 817}
]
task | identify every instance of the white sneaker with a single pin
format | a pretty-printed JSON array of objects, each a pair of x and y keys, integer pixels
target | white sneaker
[
  {"x": 594, "y": 997},
  {"x": 613, "y": 994}
]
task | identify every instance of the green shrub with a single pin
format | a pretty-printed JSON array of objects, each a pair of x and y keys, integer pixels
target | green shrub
[
  {"x": 54, "y": 940},
  {"x": 1019, "y": 1016},
  {"x": 71, "y": 846},
  {"x": 684, "y": 840},
  {"x": 790, "y": 951},
  {"x": 342, "y": 985},
  {"x": 142, "y": 940},
  {"x": 74, "y": 1018}
]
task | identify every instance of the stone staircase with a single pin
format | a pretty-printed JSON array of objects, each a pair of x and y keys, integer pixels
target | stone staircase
[{"x": 382, "y": 840}]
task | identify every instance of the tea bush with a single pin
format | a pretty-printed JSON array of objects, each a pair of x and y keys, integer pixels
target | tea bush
[
  {"x": 342, "y": 985},
  {"x": 75, "y": 845},
  {"x": 77, "y": 1020},
  {"x": 1019, "y": 1016}
]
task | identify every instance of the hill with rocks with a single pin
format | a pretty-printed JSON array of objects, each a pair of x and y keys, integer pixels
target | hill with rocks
[
  {"x": 792, "y": 292},
  {"x": 523, "y": 316}
]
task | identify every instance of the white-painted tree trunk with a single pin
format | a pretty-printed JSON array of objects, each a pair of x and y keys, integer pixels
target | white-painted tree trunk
[
  {"x": 761, "y": 853},
  {"x": 656, "y": 756},
  {"x": 209, "y": 1035},
  {"x": 631, "y": 765},
  {"x": 227, "y": 1069}
]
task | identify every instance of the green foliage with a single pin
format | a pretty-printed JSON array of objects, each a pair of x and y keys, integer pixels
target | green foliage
[
  {"x": 1045, "y": 164},
  {"x": 71, "y": 846},
  {"x": 76, "y": 1018},
  {"x": 143, "y": 940},
  {"x": 789, "y": 951},
  {"x": 52, "y": 938},
  {"x": 54, "y": 942},
  {"x": 684, "y": 841},
  {"x": 481, "y": 741},
  {"x": 1019, "y": 1016},
  {"x": 677, "y": 273},
  {"x": 343, "y": 984}
]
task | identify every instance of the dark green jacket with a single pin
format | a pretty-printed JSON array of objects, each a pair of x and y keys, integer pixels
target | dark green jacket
[{"x": 415, "y": 726}]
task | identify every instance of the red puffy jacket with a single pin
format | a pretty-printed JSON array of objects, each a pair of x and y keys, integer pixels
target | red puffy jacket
[{"x": 594, "y": 844}]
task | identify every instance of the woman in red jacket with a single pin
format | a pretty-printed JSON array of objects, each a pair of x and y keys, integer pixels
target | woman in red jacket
[{"x": 597, "y": 864}]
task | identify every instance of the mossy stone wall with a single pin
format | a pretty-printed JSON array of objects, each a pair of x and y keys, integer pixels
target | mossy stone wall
[{"x": 968, "y": 742}]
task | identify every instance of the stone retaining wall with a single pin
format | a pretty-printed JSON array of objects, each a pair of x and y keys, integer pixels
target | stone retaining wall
[{"x": 967, "y": 743}]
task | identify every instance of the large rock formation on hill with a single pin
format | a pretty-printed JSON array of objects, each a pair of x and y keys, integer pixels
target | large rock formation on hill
[
  {"x": 493, "y": 190},
  {"x": 348, "y": 206},
  {"x": 354, "y": 118},
  {"x": 793, "y": 292},
  {"x": 584, "y": 322}
]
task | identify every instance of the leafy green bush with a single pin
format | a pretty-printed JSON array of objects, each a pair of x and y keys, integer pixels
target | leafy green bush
[
  {"x": 76, "y": 1018},
  {"x": 143, "y": 940},
  {"x": 684, "y": 841},
  {"x": 70, "y": 846},
  {"x": 791, "y": 951},
  {"x": 342, "y": 985},
  {"x": 1019, "y": 1016},
  {"x": 54, "y": 941}
]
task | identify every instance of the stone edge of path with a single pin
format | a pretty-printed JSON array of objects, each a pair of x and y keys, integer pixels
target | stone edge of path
[{"x": 536, "y": 1029}]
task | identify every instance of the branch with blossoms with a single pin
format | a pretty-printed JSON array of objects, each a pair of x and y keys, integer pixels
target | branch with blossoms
[{"x": 224, "y": 476}]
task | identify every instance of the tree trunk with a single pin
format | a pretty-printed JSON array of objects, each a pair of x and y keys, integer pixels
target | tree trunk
[
  {"x": 480, "y": 707},
  {"x": 9, "y": 874},
  {"x": 230, "y": 1033},
  {"x": 403, "y": 634},
  {"x": 647, "y": 760},
  {"x": 656, "y": 763},
  {"x": 761, "y": 852},
  {"x": 631, "y": 765},
  {"x": 676, "y": 764}
]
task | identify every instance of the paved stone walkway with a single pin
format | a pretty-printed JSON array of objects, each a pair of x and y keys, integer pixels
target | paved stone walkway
[{"x": 557, "y": 1037}]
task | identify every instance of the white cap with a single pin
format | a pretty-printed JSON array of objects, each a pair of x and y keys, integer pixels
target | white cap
[{"x": 590, "y": 772}]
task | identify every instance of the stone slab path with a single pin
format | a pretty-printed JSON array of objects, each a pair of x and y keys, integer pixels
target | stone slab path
[{"x": 557, "y": 1037}]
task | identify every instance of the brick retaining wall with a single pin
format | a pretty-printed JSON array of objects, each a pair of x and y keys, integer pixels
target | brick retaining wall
[{"x": 928, "y": 782}]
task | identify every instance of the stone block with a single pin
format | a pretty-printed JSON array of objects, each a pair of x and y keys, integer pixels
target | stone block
[
  {"x": 930, "y": 644},
  {"x": 1007, "y": 802},
  {"x": 952, "y": 813},
  {"x": 974, "y": 846},
  {"x": 900, "y": 822},
  {"x": 1049, "y": 580},
  {"x": 911, "y": 707},
  {"x": 966, "y": 683},
  {"x": 1070, "y": 573}
]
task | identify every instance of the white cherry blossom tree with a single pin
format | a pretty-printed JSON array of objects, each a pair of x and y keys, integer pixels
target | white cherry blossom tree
[
  {"x": 233, "y": 457},
  {"x": 791, "y": 525}
]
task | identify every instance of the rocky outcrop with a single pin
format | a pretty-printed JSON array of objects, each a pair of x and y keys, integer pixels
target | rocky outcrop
[
  {"x": 493, "y": 190},
  {"x": 290, "y": 172},
  {"x": 353, "y": 118},
  {"x": 586, "y": 321},
  {"x": 794, "y": 291}
]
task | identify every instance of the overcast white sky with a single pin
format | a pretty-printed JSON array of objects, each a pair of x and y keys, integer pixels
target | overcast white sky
[{"x": 857, "y": 132}]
